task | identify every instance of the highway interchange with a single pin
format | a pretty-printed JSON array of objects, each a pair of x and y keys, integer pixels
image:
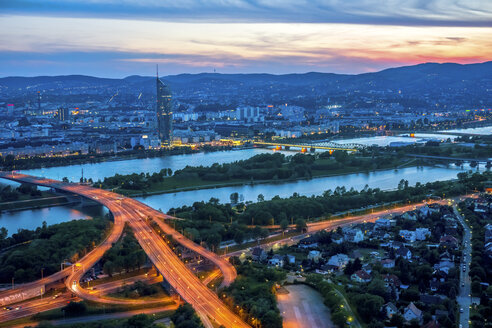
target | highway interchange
[{"x": 139, "y": 216}]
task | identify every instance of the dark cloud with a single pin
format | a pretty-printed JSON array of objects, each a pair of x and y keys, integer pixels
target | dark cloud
[{"x": 387, "y": 12}]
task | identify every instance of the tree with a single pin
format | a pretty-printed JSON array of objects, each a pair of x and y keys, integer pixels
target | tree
[
  {"x": 376, "y": 287},
  {"x": 108, "y": 268},
  {"x": 3, "y": 233},
  {"x": 301, "y": 224},
  {"x": 261, "y": 198},
  {"x": 213, "y": 240},
  {"x": 75, "y": 308},
  {"x": 140, "y": 321},
  {"x": 283, "y": 225},
  {"x": 397, "y": 321},
  {"x": 234, "y": 197},
  {"x": 185, "y": 317},
  {"x": 239, "y": 237}
]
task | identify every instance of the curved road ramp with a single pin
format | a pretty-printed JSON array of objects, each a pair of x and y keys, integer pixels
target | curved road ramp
[{"x": 139, "y": 216}]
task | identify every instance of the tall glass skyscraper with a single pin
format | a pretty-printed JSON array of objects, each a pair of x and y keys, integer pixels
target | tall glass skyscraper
[{"x": 164, "y": 112}]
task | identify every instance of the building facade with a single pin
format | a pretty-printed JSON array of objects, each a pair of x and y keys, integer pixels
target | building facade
[{"x": 164, "y": 112}]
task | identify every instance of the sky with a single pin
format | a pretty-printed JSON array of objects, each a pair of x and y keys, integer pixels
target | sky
[{"x": 117, "y": 38}]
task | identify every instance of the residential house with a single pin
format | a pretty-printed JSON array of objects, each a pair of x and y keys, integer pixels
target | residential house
[
  {"x": 412, "y": 312},
  {"x": 314, "y": 255},
  {"x": 337, "y": 238},
  {"x": 488, "y": 249},
  {"x": 412, "y": 216},
  {"x": 488, "y": 233},
  {"x": 379, "y": 235},
  {"x": 309, "y": 242},
  {"x": 361, "y": 276},
  {"x": 407, "y": 235},
  {"x": 388, "y": 263},
  {"x": 258, "y": 254},
  {"x": 424, "y": 211},
  {"x": 389, "y": 309},
  {"x": 382, "y": 224},
  {"x": 391, "y": 280},
  {"x": 353, "y": 235},
  {"x": 422, "y": 233},
  {"x": 434, "y": 208},
  {"x": 277, "y": 261},
  {"x": 448, "y": 242},
  {"x": 338, "y": 261},
  {"x": 291, "y": 259},
  {"x": 403, "y": 252}
]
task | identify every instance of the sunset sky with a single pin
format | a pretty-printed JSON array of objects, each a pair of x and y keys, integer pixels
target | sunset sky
[{"x": 116, "y": 38}]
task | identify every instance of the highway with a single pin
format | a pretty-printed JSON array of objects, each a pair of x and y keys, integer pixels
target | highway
[
  {"x": 126, "y": 210},
  {"x": 35, "y": 305}
]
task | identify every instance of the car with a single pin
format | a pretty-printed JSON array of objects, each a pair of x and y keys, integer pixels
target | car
[
  {"x": 18, "y": 308},
  {"x": 461, "y": 310},
  {"x": 462, "y": 284}
]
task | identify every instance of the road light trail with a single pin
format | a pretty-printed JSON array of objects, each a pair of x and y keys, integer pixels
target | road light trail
[{"x": 125, "y": 210}]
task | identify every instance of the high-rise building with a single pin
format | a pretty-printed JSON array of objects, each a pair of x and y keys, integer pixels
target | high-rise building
[
  {"x": 63, "y": 114},
  {"x": 164, "y": 112}
]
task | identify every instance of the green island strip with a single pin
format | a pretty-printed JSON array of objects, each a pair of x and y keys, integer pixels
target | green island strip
[{"x": 276, "y": 168}]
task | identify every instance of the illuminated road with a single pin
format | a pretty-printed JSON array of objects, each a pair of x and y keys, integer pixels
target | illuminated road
[
  {"x": 33, "y": 306},
  {"x": 125, "y": 210}
]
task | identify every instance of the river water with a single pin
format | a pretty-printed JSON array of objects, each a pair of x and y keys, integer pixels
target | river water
[
  {"x": 388, "y": 179},
  {"x": 31, "y": 219}
]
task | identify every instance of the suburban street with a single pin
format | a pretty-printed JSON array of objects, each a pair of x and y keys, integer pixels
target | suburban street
[{"x": 464, "y": 298}]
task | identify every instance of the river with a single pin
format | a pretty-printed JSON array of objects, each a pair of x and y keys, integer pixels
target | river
[
  {"x": 31, "y": 219},
  {"x": 388, "y": 179},
  {"x": 101, "y": 170}
]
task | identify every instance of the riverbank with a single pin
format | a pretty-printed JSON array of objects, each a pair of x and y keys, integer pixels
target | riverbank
[{"x": 36, "y": 203}]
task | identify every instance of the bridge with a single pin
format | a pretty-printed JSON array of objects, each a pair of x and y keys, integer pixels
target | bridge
[
  {"x": 329, "y": 146},
  {"x": 138, "y": 216}
]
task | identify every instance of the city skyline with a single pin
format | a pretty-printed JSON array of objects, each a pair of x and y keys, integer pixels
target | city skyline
[{"x": 109, "y": 39}]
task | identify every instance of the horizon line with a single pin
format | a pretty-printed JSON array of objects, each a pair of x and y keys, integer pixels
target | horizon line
[{"x": 256, "y": 73}]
